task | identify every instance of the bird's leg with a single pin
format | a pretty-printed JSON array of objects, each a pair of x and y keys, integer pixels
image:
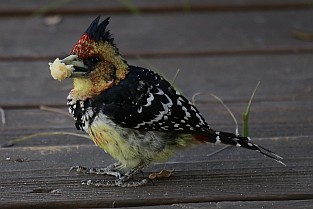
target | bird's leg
[
  {"x": 121, "y": 181},
  {"x": 112, "y": 170}
]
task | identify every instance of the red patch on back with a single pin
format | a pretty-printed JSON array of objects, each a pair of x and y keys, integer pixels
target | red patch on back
[{"x": 83, "y": 47}]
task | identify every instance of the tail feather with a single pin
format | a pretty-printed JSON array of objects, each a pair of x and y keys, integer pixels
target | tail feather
[
  {"x": 270, "y": 154},
  {"x": 238, "y": 141}
]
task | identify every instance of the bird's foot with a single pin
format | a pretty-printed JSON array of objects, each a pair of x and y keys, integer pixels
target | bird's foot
[
  {"x": 123, "y": 180},
  {"x": 111, "y": 170},
  {"x": 115, "y": 183}
]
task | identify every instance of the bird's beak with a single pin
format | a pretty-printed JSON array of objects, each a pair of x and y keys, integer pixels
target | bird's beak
[{"x": 80, "y": 69}]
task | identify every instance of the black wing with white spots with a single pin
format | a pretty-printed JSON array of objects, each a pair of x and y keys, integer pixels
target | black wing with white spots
[{"x": 144, "y": 100}]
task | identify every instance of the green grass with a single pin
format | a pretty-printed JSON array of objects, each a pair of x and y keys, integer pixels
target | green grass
[{"x": 245, "y": 116}]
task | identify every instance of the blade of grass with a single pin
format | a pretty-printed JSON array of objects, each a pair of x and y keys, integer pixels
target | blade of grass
[
  {"x": 186, "y": 5},
  {"x": 221, "y": 101},
  {"x": 245, "y": 131},
  {"x": 175, "y": 76},
  {"x": 52, "y": 109},
  {"x": 228, "y": 110}
]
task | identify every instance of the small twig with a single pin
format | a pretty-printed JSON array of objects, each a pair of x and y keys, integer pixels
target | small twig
[
  {"x": 2, "y": 116},
  {"x": 221, "y": 101},
  {"x": 23, "y": 138},
  {"x": 51, "y": 109}
]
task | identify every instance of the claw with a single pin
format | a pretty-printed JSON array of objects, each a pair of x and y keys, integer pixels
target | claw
[
  {"x": 77, "y": 168},
  {"x": 122, "y": 180}
]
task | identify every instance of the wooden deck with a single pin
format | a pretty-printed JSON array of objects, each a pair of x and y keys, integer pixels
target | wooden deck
[{"x": 224, "y": 47}]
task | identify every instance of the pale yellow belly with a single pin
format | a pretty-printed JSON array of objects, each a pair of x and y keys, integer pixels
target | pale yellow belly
[{"x": 131, "y": 147}]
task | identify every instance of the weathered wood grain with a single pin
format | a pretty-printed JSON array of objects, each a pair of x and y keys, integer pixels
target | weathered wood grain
[
  {"x": 162, "y": 33},
  {"x": 295, "y": 150},
  {"x": 56, "y": 188},
  {"x": 224, "y": 47},
  {"x": 239, "y": 75},
  {"x": 267, "y": 119},
  {"x": 303, "y": 204},
  {"x": 41, "y": 178},
  {"x": 291, "y": 204},
  {"x": 283, "y": 78},
  {"x": 15, "y": 7}
]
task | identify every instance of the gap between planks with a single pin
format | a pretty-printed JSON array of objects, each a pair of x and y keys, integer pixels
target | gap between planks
[
  {"x": 177, "y": 54},
  {"x": 191, "y": 7}
]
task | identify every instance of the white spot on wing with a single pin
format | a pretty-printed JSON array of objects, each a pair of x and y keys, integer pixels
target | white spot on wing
[
  {"x": 162, "y": 113},
  {"x": 186, "y": 112},
  {"x": 180, "y": 99},
  {"x": 149, "y": 100},
  {"x": 200, "y": 118},
  {"x": 218, "y": 139},
  {"x": 160, "y": 92}
]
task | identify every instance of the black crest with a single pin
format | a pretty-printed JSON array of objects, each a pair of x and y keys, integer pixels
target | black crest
[{"x": 99, "y": 32}]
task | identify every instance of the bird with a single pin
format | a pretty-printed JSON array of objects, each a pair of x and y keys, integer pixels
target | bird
[{"x": 132, "y": 113}]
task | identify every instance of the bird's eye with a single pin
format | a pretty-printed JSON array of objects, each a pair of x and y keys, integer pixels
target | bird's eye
[{"x": 94, "y": 60}]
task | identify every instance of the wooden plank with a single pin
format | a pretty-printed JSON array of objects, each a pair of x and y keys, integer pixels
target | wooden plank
[
  {"x": 295, "y": 150},
  {"x": 37, "y": 119},
  {"x": 15, "y": 7},
  {"x": 56, "y": 188},
  {"x": 267, "y": 119},
  {"x": 283, "y": 78},
  {"x": 291, "y": 204},
  {"x": 303, "y": 204},
  {"x": 239, "y": 76},
  {"x": 32, "y": 78},
  {"x": 268, "y": 130},
  {"x": 261, "y": 112},
  {"x": 39, "y": 167},
  {"x": 207, "y": 205},
  {"x": 44, "y": 180},
  {"x": 208, "y": 33}
]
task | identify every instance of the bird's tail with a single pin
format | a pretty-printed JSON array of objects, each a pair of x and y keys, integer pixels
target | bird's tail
[{"x": 238, "y": 141}]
